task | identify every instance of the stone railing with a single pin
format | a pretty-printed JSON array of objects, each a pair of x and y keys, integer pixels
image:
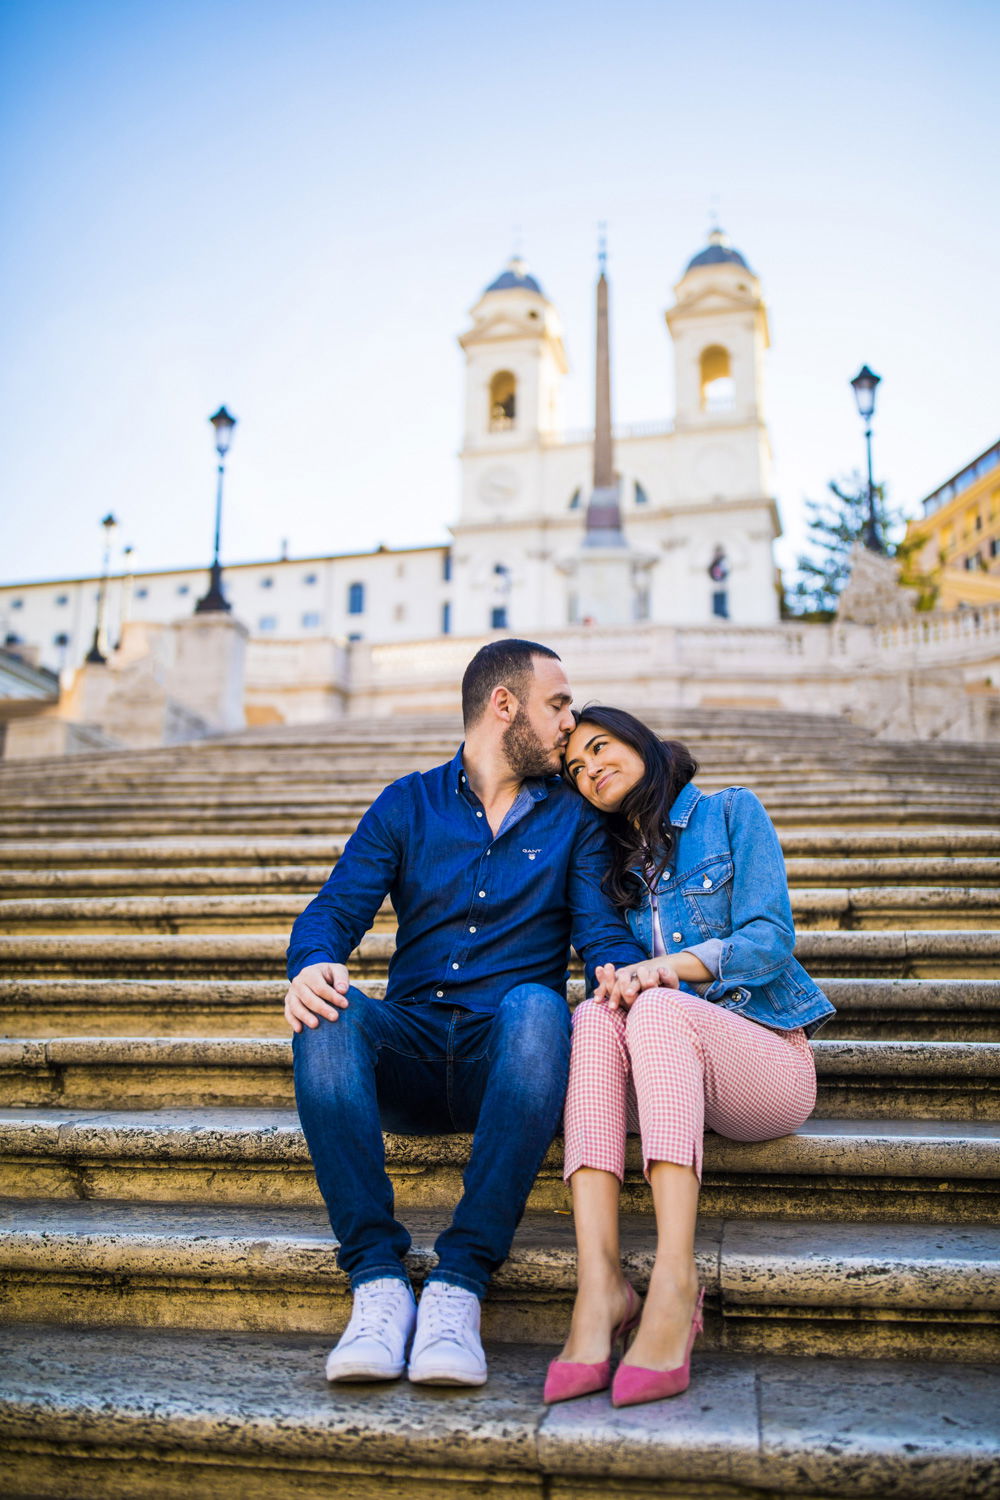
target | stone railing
[{"x": 945, "y": 633}]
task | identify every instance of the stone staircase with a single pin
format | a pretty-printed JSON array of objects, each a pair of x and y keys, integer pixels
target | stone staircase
[{"x": 167, "y": 1282}]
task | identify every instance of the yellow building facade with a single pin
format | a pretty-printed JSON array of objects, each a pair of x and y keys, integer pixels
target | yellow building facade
[{"x": 955, "y": 544}]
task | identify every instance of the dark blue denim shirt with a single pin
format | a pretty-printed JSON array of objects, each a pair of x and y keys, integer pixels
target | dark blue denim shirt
[
  {"x": 724, "y": 897},
  {"x": 476, "y": 915}
]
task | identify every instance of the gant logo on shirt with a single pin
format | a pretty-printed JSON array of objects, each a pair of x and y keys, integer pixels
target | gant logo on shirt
[{"x": 531, "y": 852}]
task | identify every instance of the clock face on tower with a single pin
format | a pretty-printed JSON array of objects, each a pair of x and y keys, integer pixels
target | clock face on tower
[{"x": 498, "y": 486}]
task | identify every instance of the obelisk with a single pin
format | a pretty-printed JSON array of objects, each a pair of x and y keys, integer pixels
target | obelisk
[{"x": 604, "y": 519}]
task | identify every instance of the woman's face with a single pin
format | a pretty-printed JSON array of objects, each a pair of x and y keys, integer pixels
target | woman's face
[{"x": 602, "y": 767}]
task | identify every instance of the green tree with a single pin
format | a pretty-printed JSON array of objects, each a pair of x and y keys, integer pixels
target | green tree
[{"x": 835, "y": 524}]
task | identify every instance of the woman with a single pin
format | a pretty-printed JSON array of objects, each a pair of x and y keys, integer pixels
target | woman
[{"x": 711, "y": 1031}]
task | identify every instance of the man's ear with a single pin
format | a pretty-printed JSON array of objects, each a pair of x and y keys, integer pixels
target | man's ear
[{"x": 503, "y": 703}]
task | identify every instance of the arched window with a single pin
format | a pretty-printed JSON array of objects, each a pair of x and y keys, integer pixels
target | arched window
[
  {"x": 717, "y": 388},
  {"x": 355, "y": 599},
  {"x": 503, "y": 401}
]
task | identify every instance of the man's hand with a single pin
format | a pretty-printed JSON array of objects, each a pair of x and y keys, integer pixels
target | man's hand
[
  {"x": 317, "y": 990},
  {"x": 623, "y": 986}
]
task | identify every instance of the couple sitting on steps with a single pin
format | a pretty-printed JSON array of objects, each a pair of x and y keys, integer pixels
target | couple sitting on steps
[{"x": 678, "y": 905}]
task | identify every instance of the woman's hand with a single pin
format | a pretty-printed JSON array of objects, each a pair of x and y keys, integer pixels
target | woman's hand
[{"x": 622, "y": 987}]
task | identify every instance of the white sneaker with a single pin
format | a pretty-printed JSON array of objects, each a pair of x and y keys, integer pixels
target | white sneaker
[
  {"x": 373, "y": 1345},
  {"x": 446, "y": 1346}
]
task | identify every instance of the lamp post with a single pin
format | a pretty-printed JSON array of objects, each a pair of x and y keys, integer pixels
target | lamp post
[
  {"x": 95, "y": 654},
  {"x": 865, "y": 384},
  {"x": 214, "y": 602}
]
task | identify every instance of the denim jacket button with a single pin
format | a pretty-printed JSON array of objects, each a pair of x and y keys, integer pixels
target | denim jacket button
[
  {"x": 678, "y": 937},
  {"x": 707, "y": 883}
]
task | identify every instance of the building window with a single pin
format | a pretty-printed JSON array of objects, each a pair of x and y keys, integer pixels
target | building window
[
  {"x": 142, "y": 593},
  {"x": 641, "y": 498},
  {"x": 575, "y": 499},
  {"x": 310, "y": 578},
  {"x": 355, "y": 635},
  {"x": 184, "y": 588},
  {"x": 503, "y": 401},
  {"x": 717, "y": 387},
  {"x": 62, "y": 639},
  {"x": 498, "y": 617},
  {"x": 62, "y": 599},
  {"x": 11, "y": 639},
  {"x": 311, "y": 620},
  {"x": 995, "y": 546},
  {"x": 355, "y": 598},
  {"x": 446, "y": 567},
  {"x": 267, "y": 622},
  {"x": 399, "y": 612},
  {"x": 267, "y": 583},
  {"x": 17, "y": 604},
  {"x": 446, "y": 618}
]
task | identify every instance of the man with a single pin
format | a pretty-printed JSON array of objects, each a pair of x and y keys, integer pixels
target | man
[{"x": 493, "y": 865}]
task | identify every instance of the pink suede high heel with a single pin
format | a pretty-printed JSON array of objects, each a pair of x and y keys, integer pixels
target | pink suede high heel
[
  {"x": 633, "y": 1384},
  {"x": 566, "y": 1379}
]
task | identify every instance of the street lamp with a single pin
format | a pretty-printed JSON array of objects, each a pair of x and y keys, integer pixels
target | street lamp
[
  {"x": 214, "y": 601},
  {"x": 865, "y": 384},
  {"x": 95, "y": 654}
]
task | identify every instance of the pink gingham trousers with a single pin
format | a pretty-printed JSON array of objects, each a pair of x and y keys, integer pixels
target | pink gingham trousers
[{"x": 670, "y": 1066}]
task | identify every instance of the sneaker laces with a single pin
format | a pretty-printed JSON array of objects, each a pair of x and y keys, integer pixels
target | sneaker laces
[
  {"x": 441, "y": 1314},
  {"x": 374, "y": 1310}
]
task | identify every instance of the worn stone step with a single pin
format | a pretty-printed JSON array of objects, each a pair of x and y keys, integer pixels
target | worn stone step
[
  {"x": 976, "y": 850},
  {"x": 856, "y": 877},
  {"x": 890, "y": 1171},
  {"x": 895, "y": 954},
  {"x": 159, "y": 1414},
  {"x": 943, "y": 1010},
  {"x": 859, "y": 909},
  {"x": 857, "y": 1079},
  {"x": 863, "y": 1290}
]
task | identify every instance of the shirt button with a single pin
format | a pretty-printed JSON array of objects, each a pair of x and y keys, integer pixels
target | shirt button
[
  {"x": 478, "y": 814},
  {"x": 472, "y": 929},
  {"x": 439, "y": 994},
  {"x": 482, "y": 895},
  {"x": 678, "y": 937},
  {"x": 454, "y": 966}
]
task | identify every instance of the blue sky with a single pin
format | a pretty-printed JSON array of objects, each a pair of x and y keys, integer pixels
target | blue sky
[{"x": 290, "y": 209}]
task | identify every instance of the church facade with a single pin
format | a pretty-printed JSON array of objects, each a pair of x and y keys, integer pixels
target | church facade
[{"x": 696, "y": 518}]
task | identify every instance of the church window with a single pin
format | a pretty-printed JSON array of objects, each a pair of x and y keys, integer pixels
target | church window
[
  {"x": 498, "y": 617},
  {"x": 446, "y": 618},
  {"x": 311, "y": 620},
  {"x": 446, "y": 568},
  {"x": 310, "y": 578},
  {"x": 717, "y": 386},
  {"x": 183, "y": 588},
  {"x": 355, "y": 599},
  {"x": 267, "y": 583},
  {"x": 17, "y": 604},
  {"x": 267, "y": 622},
  {"x": 503, "y": 401},
  {"x": 62, "y": 639},
  {"x": 576, "y": 499},
  {"x": 62, "y": 598},
  {"x": 142, "y": 593},
  {"x": 399, "y": 612},
  {"x": 641, "y": 498},
  {"x": 355, "y": 635}
]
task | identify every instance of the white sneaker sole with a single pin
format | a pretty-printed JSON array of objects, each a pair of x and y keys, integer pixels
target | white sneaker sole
[
  {"x": 443, "y": 1376},
  {"x": 366, "y": 1372}
]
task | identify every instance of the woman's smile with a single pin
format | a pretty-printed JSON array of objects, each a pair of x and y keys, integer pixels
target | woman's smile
[{"x": 601, "y": 767}]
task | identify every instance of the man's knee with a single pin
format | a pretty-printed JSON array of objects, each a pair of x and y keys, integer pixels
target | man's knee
[
  {"x": 532, "y": 1026},
  {"x": 323, "y": 1051}
]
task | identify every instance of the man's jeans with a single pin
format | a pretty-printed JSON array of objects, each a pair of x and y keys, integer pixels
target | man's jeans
[{"x": 422, "y": 1069}]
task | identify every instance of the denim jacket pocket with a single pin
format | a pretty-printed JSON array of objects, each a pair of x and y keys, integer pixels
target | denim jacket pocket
[{"x": 707, "y": 894}]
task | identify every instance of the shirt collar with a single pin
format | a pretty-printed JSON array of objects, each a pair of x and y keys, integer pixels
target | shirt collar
[
  {"x": 537, "y": 787},
  {"x": 684, "y": 806}
]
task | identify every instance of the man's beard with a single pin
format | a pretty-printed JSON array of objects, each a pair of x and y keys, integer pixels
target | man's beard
[{"x": 525, "y": 753}]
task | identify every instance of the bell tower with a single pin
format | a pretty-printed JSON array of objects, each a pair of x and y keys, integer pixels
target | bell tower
[
  {"x": 514, "y": 363},
  {"x": 719, "y": 329}
]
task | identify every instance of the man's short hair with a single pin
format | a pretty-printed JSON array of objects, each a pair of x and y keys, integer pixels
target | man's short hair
[{"x": 506, "y": 664}]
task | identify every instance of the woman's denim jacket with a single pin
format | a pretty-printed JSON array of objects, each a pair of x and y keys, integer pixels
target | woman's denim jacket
[{"x": 724, "y": 897}]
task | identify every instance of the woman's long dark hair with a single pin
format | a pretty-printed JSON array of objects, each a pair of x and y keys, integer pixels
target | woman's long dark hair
[{"x": 640, "y": 827}]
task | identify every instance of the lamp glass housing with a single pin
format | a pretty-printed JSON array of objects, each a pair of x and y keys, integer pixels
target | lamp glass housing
[
  {"x": 223, "y": 424},
  {"x": 865, "y": 384}
]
